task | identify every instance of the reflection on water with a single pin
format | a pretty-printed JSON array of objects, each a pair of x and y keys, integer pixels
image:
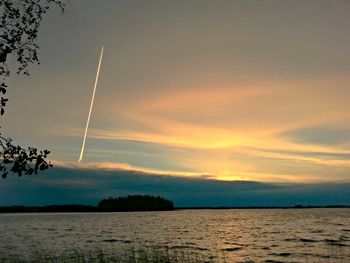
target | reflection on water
[{"x": 276, "y": 235}]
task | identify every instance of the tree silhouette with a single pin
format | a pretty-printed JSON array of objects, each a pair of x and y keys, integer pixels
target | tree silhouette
[
  {"x": 19, "y": 26},
  {"x": 136, "y": 203}
]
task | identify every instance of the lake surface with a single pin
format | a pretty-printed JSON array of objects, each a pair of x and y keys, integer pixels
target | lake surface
[{"x": 265, "y": 235}]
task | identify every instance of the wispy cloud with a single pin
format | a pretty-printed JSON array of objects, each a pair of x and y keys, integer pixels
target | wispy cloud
[
  {"x": 124, "y": 167},
  {"x": 234, "y": 132}
]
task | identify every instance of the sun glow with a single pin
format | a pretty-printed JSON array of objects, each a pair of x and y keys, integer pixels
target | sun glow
[{"x": 243, "y": 132}]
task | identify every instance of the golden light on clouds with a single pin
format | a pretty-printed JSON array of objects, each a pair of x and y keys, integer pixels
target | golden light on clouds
[{"x": 237, "y": 133}]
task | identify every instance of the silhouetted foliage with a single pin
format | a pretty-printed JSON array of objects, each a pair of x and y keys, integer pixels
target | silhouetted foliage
[
  {"x": 21, "y": 161},
  {"x": 20, "y": 21},
  {"x": 136, "y": 203}
]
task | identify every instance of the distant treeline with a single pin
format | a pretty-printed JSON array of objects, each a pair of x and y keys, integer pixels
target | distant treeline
[
  {"x": 48, "y": 209},
  {"x": 136, "y": 203},
  {"x": 118, "y": 204},
  {"x": 263, "y": 207}
]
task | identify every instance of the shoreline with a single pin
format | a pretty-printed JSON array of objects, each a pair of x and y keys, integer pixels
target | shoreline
[{"x": 90, "y": 209}]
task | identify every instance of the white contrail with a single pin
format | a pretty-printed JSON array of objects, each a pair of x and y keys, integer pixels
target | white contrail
[{"x": 92, "y": 103}]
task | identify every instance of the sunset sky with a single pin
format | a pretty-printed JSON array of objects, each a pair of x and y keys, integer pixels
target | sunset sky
[{"x": 229, "y": 90}]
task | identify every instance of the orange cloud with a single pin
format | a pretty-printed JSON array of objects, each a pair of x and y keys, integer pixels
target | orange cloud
[{"x": 244, "y": 120}]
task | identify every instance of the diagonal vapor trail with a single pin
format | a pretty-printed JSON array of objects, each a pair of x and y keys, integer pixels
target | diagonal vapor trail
[{"x": 91, "y": 104}]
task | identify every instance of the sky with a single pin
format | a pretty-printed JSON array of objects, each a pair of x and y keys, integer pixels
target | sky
[{"x": 211, "y": 90}]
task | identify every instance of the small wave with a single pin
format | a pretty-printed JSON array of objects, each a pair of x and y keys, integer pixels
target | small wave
[
  {"x": 283, "y": 254},
  {"x": 112, "y": 240},
  {"x": 188, "y": 247},
  {"x": 126, "y": 241},
  {"x": 190, "y": 243},
  {"x": 333, "y": 242},
  {"x": 307, "y": 240},
  {"x": 237, "y": 244},
  {"x": 316, "y": 231},
  {"x": 291, "y": 239},
  {"x": 325, "y": 256},
  {"x": 344, "y": 238},
  {"x": 231, "y": 249}
]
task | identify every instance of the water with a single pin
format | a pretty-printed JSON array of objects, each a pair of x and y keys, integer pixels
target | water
[{"x": 276, "y": 235}]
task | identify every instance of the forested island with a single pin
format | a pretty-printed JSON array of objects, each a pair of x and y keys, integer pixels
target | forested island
[{"x": 136, "y": 203}]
